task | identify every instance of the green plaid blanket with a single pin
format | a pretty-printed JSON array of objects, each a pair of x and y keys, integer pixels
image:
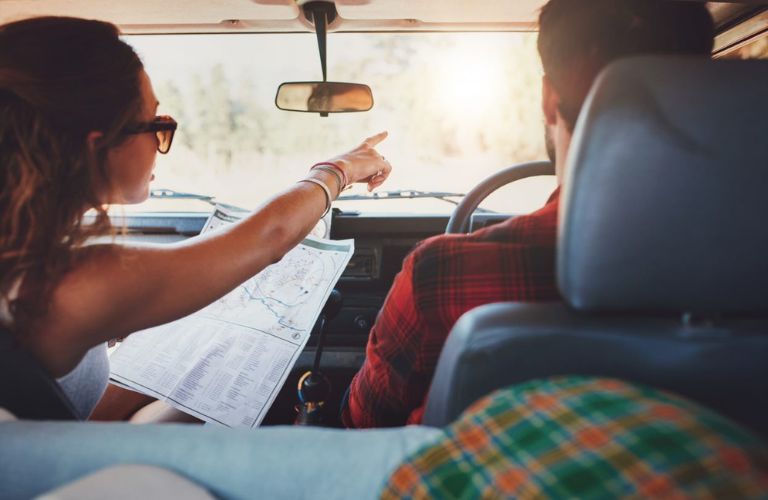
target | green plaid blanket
[{"x": 581, "y": 437}]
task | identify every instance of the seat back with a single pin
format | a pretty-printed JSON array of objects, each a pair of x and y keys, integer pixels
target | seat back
[
  {"x": 721, "y": 366},
  {"x": 26, "y": 389},
  {"x": 664, "y": 202},
  {"x": 662, "y": 251}
]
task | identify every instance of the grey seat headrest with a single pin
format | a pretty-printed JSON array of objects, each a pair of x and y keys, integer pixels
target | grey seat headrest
[{"x": 665, "y": 202}]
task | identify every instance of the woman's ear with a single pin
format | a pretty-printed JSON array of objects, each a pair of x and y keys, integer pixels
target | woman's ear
[
  {"x": 550, "y": 100},
  {"x": 99, "y": 175}
]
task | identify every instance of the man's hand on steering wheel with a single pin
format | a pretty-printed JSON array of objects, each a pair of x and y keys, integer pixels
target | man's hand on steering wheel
[{"x": 459, "y": 222}]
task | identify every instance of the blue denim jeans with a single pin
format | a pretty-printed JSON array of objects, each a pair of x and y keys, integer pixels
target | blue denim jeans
[{"x": 270, "y": 462}]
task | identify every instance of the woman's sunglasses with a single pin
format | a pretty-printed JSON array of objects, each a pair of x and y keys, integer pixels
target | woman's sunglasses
[{"x": 162, "y": 126}]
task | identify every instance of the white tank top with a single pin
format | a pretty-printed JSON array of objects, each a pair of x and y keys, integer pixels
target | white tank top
[{"x": 5, "y": 312}]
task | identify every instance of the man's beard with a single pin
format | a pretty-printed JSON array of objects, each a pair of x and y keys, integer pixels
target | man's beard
[{"x": 549, "y": 143}]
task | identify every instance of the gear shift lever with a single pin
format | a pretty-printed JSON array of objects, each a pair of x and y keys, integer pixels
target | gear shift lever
[{"x": 314, "y": 386}]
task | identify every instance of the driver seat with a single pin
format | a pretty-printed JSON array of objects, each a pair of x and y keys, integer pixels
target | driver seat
[{"x": 662, "y": 249}]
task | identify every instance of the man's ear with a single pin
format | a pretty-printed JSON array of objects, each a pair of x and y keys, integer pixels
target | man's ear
[
  {"x": 549, "y": 101},
  {"x": 92, "y": 141}
]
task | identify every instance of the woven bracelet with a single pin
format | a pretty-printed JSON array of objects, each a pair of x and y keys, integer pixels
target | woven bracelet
[
  {"x": 336, "y": 167},
  {"x": 339, "y": 180}
]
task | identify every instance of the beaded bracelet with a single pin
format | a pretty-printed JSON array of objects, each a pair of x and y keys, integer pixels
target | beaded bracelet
[
  {"x": 336, "y": 167},
  {"x": 326, "y": 190}
]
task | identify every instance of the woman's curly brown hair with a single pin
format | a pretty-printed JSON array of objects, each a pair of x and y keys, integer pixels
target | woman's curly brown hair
[{"x": 60, "y": 79}]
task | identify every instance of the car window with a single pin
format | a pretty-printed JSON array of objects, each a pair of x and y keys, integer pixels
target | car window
[{"x": 458, "y": 106}]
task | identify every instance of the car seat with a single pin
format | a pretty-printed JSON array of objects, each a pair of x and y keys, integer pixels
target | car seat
[{"x": 662, "y": 249}]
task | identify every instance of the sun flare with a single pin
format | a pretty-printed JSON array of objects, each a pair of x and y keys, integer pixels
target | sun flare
[{"x": 469, "y": 82}]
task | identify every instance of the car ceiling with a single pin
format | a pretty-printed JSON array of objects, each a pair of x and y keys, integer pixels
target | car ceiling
[
  {"x": 223, "y": 16},
  {"x": 152, "y": 16}
]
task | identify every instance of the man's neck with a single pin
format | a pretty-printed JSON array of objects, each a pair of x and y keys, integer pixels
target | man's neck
[{"x": 562, "y": 138}]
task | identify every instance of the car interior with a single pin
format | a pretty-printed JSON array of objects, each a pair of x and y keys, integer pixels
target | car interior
[{"x": 672, "y": 301}]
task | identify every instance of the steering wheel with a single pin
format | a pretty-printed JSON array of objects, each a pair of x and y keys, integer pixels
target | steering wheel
[{"x": 462, "y": 214}]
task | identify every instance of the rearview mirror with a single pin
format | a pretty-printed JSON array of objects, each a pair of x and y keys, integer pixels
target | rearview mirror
[{"x": 324, "y": 97}]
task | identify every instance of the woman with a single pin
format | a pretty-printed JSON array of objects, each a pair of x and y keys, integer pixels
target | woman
[{"x": 78, "y": 131}]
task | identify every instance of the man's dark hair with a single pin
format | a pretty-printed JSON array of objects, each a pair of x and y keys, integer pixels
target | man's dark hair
[{"x": 578, "y": 38}]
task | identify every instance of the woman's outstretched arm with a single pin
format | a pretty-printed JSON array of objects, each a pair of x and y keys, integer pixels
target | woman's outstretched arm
[{"x": 115, "y": 290}]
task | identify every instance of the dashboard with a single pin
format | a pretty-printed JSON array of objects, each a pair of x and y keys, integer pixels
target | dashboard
[{"x": 381, "y": 243}]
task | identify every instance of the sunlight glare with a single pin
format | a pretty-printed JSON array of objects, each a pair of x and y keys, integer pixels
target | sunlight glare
[{"x": 470, "y": 82}]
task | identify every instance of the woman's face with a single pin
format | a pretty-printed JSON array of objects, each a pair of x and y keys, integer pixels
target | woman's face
[{"x": 130, "y": 164}]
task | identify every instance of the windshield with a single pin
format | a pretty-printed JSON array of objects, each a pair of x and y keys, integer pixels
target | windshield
[{"x": 458, "y": 107}]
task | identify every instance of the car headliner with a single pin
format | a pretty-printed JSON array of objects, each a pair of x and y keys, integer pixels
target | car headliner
[
  {"x": 196, "y": 16},
  {"x": 237, "y": 16}
]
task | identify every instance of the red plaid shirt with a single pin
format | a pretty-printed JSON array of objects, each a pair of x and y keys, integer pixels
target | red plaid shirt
[{"x": 444, "y": 277}]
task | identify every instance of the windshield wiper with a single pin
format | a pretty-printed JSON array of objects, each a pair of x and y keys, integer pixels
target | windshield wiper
[
  {"x": 177, "y": 195},
  {"x": 407, "y": 194},
  {"x": 400, "y": 194}
]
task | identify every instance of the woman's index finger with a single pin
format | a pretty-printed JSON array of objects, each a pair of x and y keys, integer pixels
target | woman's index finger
[{"x": 376, "y": 139}]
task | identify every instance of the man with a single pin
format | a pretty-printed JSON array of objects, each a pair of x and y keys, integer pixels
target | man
[{"x": 446, "y": 276}]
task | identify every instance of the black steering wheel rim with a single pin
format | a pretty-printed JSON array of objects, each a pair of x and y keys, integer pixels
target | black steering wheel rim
[{"x": 462, "y": 214}]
